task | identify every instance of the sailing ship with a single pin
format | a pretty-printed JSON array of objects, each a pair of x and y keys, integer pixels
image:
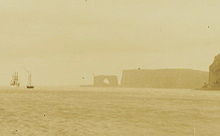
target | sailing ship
[
  {"x": 29, "y": 84},
  {"x": 15, "y": 81}
]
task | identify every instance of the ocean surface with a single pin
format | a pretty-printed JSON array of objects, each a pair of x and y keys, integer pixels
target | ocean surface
[{"x": 109, "y": 112}]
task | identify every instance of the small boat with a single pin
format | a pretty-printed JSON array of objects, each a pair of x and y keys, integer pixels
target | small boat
[{"x": 29, "y": 84}]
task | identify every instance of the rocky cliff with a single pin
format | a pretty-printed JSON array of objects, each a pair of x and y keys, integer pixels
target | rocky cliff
[
  {"x": 214, "y": 73},
  {"x": 105, "y": 81},
  {"x": 164, "y": 78}
]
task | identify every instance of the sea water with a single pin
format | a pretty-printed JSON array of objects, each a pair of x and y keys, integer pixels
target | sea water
[{"x": 65, "y": 111}]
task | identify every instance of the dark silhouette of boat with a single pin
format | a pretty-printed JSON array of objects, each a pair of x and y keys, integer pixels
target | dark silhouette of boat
[{"x": 29, "y": 84}]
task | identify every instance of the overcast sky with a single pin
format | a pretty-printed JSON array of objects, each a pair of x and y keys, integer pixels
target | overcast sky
[{"x": 62, "y": 41}]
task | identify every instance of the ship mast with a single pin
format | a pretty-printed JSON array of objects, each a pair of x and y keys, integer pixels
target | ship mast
[
  {"x": 29, "y": 83},
  {"x": 29, "y": 79},
  {"x": 15, "y": 81}
]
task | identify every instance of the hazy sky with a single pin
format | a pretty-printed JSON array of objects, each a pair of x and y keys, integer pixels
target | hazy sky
[{"x": 61, "y": 41}]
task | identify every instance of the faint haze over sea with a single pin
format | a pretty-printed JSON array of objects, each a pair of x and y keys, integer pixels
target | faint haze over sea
[{"x": 67, "y": 42}]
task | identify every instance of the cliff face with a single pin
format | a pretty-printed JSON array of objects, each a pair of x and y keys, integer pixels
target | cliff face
[
  {"x": 214, "y": 73},
  {"x": 164, "y": 78}
]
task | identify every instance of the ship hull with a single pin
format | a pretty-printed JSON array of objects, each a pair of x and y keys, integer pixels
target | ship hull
[{"x": 30, "y": 87}]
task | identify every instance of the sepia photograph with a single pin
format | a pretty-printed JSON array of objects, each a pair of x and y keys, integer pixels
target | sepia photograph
[{"x": 109, "y": 68}]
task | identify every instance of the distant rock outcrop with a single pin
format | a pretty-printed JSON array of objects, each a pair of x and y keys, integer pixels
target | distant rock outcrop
[
  {"x": 105, "y": 81},
  {"x": 214, "y": 73},
  {"x": 164, "y": 78}
]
